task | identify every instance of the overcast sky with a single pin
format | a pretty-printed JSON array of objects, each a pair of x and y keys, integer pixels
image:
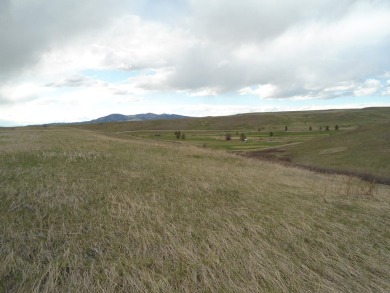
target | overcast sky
[{"x": 71, "y": 60}]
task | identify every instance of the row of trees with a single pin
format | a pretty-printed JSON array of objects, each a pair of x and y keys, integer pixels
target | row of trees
[
  {"x": 228, "y": 136},
  {"x": 336, "y": 127},
  {"x": 179, "y": 134},
  {"x": 326, "y": 128}
]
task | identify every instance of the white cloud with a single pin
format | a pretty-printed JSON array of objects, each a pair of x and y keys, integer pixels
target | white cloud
[
  {"x": 204, "y": 93},
  {"x": 30, "y": 28},
  {"x": 264, "y": 91},
  {"x": 308, "y": 53},
  {"x": 201, "y": 110},
  {"x": 369, "y": 87},
  {"x": 386, "y": 91}
]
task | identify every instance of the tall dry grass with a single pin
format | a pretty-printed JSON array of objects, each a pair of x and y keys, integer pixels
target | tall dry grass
[{"x": 80, "y": 212}]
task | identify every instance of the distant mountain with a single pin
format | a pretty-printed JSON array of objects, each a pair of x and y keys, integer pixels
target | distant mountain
[{"x": 137, "y": 117}]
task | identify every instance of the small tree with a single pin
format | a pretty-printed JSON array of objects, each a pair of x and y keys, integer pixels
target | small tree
[
  {"x": 285, "y": 128},
  {"x": 326, "y": 128},
  {"x": 271, "y": 134},
  {"x": 310, "y": 128},
  {"x": 177, "y": 134},
  {"x": 242, "y": 136},
  {"x": 183, "y": 136},
  {"x": 336, "y": 127},
  {"x": 228, "y": 136}
]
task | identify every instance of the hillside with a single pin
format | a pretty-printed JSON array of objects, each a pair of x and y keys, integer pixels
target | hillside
[
  {"x": 362, "y": 150},
  {"x": 359, "y": 147},
  {"x": 253, "y": 121},
  {"x": 84, "y": 212},
  {"x": 136, "y": 117}
]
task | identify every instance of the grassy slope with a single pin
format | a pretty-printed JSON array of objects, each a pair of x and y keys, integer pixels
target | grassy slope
[
  {"x": 295, "y": 120},
  {"x": 362, "y": 150},
  {"x": 87, "y": 213}
]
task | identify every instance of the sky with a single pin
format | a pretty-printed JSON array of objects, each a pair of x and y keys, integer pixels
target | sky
[{"x": 71, "y": 60}]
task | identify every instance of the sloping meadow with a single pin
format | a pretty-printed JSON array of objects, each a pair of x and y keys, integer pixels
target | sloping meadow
[{"x": 81, "y": 212}]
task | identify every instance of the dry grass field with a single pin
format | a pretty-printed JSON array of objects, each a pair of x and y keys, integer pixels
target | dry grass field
[{"x": 84, "y": 212}]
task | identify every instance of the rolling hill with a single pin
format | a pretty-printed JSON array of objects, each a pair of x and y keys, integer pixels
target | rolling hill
[
  {"x": 136, "y": 117},
  {"x": 360, "y": 146},
  {"x": 83, "y": 211},
  {"x": 273, "y": 120}
]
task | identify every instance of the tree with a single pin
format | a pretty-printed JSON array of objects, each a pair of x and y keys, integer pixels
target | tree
[
  {"x": 242, "y": 136},
  {"x": 310, "y": 128},
  {"x": 228, "y": 136},
  {"x": 285, "y": 128},
  {"x": 326, "y": 128},
  {"x": 336, "y": 127},
  {"x": 177, "y": 134},
  {"x": 271, "y": 134},
  {"x": 183, "y": 136}
]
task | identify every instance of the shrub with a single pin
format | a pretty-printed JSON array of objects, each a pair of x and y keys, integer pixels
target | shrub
[
  {"x": 228, "y": 136},
  {"x": 242, "y": 136},
  {"x": 271, "y": 134}
]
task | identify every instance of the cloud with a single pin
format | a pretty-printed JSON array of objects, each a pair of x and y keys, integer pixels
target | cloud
[
  {"x": 207, "y": 92},
  {"x": 386, "y": 91},
  {"x": 275, "y": 49},
  {"x": 76, "y": 81},
  {"x": 305, "y": 52},
  {"x": 30, "y": 28},
  {"x": 264, "y": 91},
  {"x": 229, "y": 22},
  {"x": 20, "y": 93},
  {"x": 369, "y": 87},
  {"x": 303, "y": 48}
]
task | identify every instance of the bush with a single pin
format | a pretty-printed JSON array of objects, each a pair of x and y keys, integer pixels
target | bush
[
  {"x": 242, "y": 136},
  {"x": 271, "y": 134},
  {"x": 228, "y": 136}
]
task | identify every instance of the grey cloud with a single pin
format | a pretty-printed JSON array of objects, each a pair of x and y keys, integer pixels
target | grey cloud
[
  {"x": 232, "y": 22},
  {"x": 77, "y": 81},
  {"x": 297, "y": 68},
  {"x": 28, "y": 28}
]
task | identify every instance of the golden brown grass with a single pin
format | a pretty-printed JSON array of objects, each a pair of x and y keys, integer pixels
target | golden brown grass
[{"x": 81, "y": 212}]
